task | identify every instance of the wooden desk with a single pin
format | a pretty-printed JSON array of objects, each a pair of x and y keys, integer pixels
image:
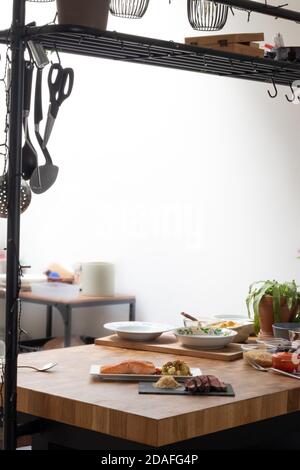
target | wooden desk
[
  {"x": 66, "y": 304},
  {"x": 70, "y": 396}
]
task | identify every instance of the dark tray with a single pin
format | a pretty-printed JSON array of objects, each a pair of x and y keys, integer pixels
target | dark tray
[{"x": 147, "y": 388}]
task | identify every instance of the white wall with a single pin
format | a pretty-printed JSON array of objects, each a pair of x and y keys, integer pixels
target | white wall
[{"x": 189, "y": 183}]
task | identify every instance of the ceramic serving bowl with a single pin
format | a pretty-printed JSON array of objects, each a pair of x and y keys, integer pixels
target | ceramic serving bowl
[
  {"x": 206, "y": 341},
  {"x": 281, "y": 330},
  {"x": 138, "y": 330},
  {"x": 244, "y": 329}
]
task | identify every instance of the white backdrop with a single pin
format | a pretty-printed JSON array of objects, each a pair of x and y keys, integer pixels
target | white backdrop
[{"x": 188, "y": 183}]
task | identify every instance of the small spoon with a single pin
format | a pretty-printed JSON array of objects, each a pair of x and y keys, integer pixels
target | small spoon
[
  {"x": 45, "y": 368},
  {"x": 187, "y": 315}
]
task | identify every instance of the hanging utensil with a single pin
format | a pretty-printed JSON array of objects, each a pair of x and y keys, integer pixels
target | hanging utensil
[
  {"x": 29, "y": 155},
  {"x": 44, "y": 176},
  {"x": 25, "y": 197},
  {"x": 25, "y": 192},
  {"x": 60, "y": 82}
]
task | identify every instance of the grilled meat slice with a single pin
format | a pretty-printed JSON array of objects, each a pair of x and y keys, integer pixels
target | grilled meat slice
[
  {"x": 190, "y": 385},
  {"x": 216, "y": 385},
  {"x": 204, "y": 384}
]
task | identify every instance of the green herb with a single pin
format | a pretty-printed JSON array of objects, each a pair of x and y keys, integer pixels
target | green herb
[
  {"x": 287, "y": 290},
  {"x": 203, "y": 331}
]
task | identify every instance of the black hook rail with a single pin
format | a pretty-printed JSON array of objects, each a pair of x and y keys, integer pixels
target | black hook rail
[
  {"x": 123, "y": 47},
  {"x": 264, "y": 8}
]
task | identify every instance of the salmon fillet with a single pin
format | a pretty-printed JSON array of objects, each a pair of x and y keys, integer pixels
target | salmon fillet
[{"x": 129, "y": 367}]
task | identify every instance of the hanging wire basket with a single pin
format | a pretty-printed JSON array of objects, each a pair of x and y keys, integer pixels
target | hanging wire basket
[
  {"x": 207, "y": 15},
  {"x": 129, "y": 8}
]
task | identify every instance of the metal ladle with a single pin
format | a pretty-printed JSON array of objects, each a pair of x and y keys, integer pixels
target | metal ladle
[{"x": 29, "y": 154}]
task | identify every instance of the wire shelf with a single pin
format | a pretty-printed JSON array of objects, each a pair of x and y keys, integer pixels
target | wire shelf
[{"x": 136, "y": 49}]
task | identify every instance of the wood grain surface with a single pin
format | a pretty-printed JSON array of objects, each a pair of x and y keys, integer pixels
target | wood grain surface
[
  {"x": 68, "y": 394},
  {"x": 228, "y": 38},
  {"x": 167, "y": 343},
  {"x": 240, "y": 49},
  {"x": 75, "y": 299}
]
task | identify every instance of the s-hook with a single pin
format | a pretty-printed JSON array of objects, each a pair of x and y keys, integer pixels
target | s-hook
[
  {"x": 294, "y": 95},
  {"x": 291, "y": 100},
  {"x": 275, "y": 89}
]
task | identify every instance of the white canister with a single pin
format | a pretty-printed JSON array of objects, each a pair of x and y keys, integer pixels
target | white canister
[{"x": 98, "y": 279}]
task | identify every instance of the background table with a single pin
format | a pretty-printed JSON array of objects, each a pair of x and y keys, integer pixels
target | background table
[{"x": 66, "y": 304}]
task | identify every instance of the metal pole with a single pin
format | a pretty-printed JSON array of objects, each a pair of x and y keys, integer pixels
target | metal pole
[
  {"x": 13, "y": 224},
  {"x": 263, "y": 8}
]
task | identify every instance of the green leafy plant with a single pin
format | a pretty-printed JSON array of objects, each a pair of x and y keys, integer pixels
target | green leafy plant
[{"x": 287, "y": 290}]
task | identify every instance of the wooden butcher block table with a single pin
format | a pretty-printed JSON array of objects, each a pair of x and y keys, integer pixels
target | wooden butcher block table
[{"x": 82, "y": 412}]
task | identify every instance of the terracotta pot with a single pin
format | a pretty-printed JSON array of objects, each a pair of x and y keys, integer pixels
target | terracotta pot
[
  {"x": 91, "y": 13},
  {"x": 266, "y": 315}
]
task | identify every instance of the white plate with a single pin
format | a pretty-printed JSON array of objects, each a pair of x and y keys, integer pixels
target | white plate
[
  {"x": 206, "y": 341},
  {"x": 138, "y": 330},
  {"x": 236, "y": 318},
  {"x": 95, "y": 370}
]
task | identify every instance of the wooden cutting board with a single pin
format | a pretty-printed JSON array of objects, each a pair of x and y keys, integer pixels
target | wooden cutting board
[
  {"x": 238, "y": 43},
  {"x": 244, "y": 38},
  {"x": 167, "y": 344},
  {"x": 240, "y": 49}
]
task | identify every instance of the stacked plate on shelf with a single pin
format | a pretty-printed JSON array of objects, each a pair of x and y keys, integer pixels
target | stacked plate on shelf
[{"x": 26, "y": 281}]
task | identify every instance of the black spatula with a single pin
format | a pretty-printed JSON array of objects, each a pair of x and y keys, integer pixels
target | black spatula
[{"x": 44, "y": 176}]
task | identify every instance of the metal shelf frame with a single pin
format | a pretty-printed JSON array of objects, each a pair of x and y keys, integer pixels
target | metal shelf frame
[
  {"x": 136, "y": 49},
  {"x": 116, "y": 46}
]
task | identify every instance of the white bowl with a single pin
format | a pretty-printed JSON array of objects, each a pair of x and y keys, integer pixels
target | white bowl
[
  {"x": 237, "y": 318},
  {"x": 206, "y": 341},
  {"x": 138, "y": 330},
  {"x": 245, "y": 328}
]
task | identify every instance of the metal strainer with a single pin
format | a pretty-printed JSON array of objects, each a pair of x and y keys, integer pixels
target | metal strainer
[{"x": 25, "y": 197}]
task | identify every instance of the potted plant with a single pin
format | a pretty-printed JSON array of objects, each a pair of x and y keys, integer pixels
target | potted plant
[
  {"x": 273, "y": 302},
  {"x": 91, "y": 13}
]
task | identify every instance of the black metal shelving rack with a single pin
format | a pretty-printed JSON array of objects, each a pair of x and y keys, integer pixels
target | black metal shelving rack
[{"x": 110, "y": 45}]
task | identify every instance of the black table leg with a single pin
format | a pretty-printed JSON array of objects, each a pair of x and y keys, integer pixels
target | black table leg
[
  {"x": 66, "y": 313},
  {"x": 68, "y": 326},
  {"x": 49, "y": 321},
  {"x": 132, "y": 311}
]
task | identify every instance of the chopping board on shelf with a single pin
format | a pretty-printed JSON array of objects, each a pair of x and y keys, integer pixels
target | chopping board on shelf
[
  {"x": 226, "y": 39},
  {"x": 168, "y": 344},
  {"x": 243, "y": 44}
]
